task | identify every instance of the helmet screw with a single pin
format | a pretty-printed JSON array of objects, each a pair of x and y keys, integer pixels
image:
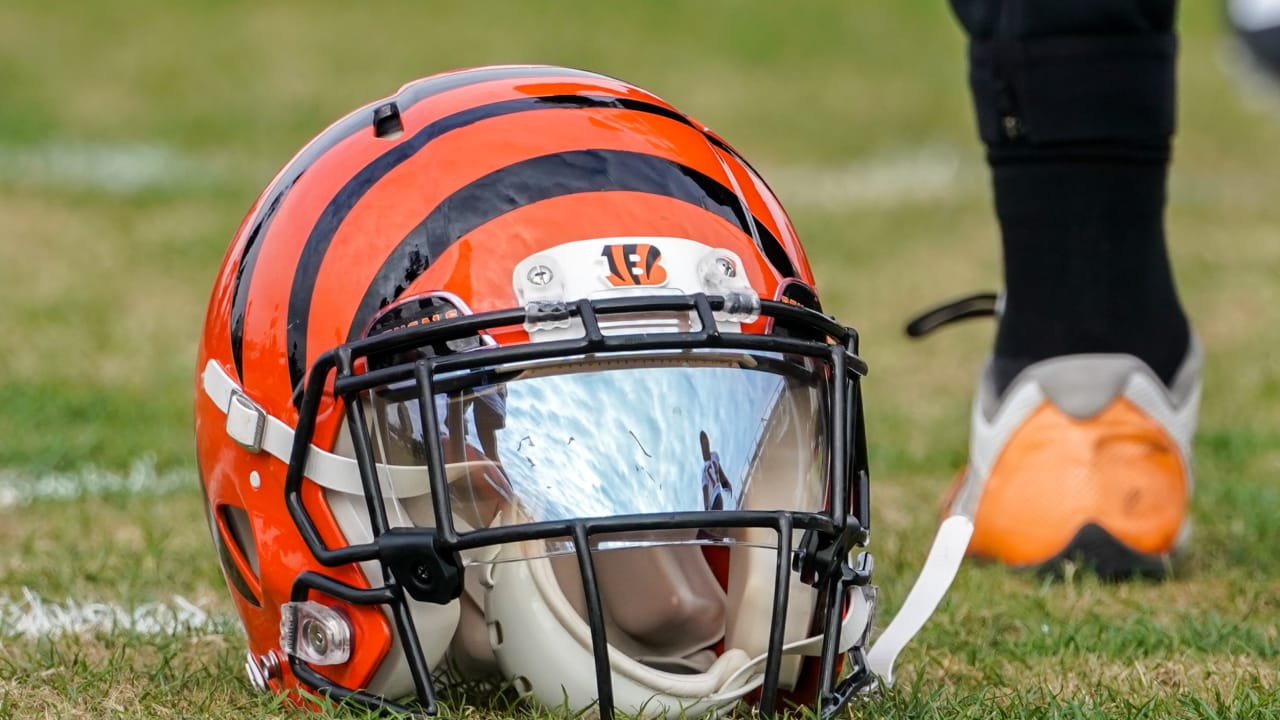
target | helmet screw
[
  {"x": 314, "y": 635},
  {"x": 423, "y": 573},
  {"x": 726, "y": 268},
  {"x": 539, "y": 275},
  {"x": 261, "y": 669}
]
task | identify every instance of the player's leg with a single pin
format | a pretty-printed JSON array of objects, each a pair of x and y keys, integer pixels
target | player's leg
[{"x": 1084, "y": 414}]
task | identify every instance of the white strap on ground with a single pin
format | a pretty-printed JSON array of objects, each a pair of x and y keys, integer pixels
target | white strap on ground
[{"x": 935, "y": 578}]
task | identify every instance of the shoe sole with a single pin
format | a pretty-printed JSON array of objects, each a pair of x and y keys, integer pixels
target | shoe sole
[{"x": 1112, "y": 561}]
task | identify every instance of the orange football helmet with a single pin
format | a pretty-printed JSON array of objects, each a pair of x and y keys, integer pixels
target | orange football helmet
[{"x": 520, "y": 373}]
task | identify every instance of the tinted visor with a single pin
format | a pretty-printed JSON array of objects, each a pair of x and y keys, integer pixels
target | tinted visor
[{"x": 594, "y": 437}]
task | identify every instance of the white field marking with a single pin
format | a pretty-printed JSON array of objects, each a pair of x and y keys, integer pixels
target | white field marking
[
  {"x": 119, "y": 169},
  {"x": 887, "y": 179},
  {"x": 32, "y": 617},
  {"x": 19, "y": 489}
]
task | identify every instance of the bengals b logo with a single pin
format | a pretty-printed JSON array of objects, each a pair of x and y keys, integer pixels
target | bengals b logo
[{"x": 634, "y": 264}]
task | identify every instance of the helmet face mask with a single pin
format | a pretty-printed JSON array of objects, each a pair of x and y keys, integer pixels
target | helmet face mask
[
  {"x": 542, "y": 375},
  {"x": 427, "y": 563}
]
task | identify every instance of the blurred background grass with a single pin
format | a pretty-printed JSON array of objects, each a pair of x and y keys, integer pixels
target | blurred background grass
[{"x": 134, "y": 135}]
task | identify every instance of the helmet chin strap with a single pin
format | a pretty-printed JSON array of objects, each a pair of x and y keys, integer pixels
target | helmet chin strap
[
  {"x": 935, "y": 578},
  {"x": 852, "y": 629}
]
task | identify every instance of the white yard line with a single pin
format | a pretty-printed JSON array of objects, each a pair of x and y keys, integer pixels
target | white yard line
[
  {"x": 886, "y": 179},
  {"x": 19, "y": 489},
  {"x": 31, "y": 616},
  {"x": 116, "y": 168}
]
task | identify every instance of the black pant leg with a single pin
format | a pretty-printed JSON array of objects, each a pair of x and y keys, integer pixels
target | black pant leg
[{"x": 1075, "y": 101}]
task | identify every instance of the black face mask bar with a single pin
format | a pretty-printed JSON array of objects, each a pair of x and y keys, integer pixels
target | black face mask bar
[{"x": 425, "y": 563}]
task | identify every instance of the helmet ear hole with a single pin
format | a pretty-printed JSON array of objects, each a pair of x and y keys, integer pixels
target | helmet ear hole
[
  {"x": 495, "y": 634},
  {"x": 522, "y": 685}
]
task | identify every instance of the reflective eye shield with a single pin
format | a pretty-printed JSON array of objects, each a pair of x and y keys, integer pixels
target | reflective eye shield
[
  {"x": 425, "y": 563},
  {"x": 632, "y": 433}
]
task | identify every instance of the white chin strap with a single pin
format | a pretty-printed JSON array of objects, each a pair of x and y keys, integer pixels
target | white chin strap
[{"x": 935, "y": 578}]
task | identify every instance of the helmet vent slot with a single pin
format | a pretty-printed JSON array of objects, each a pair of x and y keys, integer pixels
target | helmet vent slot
[
  {"x": 240, "y": 531},
  {"x": 386, "y": 121}
]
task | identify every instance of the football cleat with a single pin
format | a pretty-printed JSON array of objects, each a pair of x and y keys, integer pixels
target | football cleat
[{"x": 1083, "y": 458}]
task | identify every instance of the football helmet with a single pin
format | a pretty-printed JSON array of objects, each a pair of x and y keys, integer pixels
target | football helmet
[{"x": 520, "y": 373}]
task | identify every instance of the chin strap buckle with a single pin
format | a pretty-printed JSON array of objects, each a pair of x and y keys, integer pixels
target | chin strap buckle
[{"x": 860, "y": 679}]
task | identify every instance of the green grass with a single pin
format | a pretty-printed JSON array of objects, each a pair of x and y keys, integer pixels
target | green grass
[{"x": 103, "y": 287}]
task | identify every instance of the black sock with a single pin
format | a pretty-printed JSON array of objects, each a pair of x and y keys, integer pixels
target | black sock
[
  {"x": 1086, "y": 270},
  {"x": 1075, "y": 101}
]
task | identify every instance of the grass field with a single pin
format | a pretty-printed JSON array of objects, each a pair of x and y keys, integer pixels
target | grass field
[{"x": 134, "y": 135}]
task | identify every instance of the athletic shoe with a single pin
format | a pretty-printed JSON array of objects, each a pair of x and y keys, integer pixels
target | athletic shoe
[{"x": 1084, "y": 458}]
